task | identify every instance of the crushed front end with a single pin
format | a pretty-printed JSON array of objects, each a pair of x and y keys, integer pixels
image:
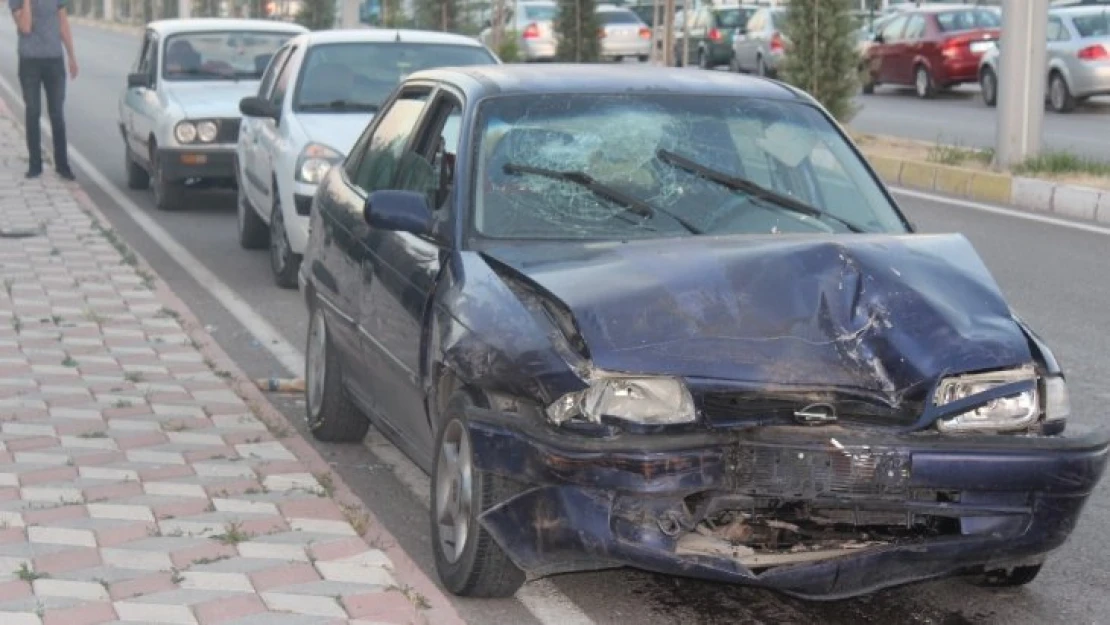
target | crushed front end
[{"x": 815, "y": 512}]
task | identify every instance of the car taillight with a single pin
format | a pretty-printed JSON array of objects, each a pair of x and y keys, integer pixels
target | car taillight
[
  {"x": 714, "y": 34},
  {"x": 532, "y": 31},
  {"x": 776, "y": 43},
  {"x": 952, "y": 47},
  {"x": 1096, "y": 52},
  {"x": 645, "y": 33}
]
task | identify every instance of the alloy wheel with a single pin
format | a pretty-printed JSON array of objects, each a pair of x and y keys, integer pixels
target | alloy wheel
[
  {"x": 454, "y": 489},
  {"x": 279, "y": 244}
]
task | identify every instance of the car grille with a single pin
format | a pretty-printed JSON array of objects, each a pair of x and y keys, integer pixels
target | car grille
[
  {"x": 727, "y": 408},
  {"x": 229, "y": 131},
  {"x": 805, "y": 472}
]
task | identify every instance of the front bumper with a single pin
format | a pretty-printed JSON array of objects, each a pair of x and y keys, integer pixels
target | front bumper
[
  {"x": 297, "y": 204},
  {"x": 179, "y": 164},
  {"x": 598, "y": 504}
]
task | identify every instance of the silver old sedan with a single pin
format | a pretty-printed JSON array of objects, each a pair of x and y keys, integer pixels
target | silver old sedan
[
  {"x": 1078, "y": 58},
  {"x": 179, "y": 112}
]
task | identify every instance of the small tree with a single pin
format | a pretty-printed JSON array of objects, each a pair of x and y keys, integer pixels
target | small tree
[
  {"x": 821, "y": 57},
  {"x": 577, "y": 28},
  {"x": 317, "y": 14},
  {"x": 437, "y": 14}
]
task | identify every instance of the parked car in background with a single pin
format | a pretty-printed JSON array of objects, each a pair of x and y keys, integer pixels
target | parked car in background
[
  {"x": 318, "y": 92},
  {"x": 179, "y": 114},
  {"x": 933, "y": 47},
  {"x": 1078, "y": 58},
  {"x": 712, "y": 29},
  {"x": 531, "y": 23},
  {"x": 623, "y": 34},
  {"x": 760, "y": 48},
  {"x": 718, "y": 350}
]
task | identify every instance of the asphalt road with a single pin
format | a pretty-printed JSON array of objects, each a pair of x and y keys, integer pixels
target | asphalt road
[
  {"x": 1057, "y": 277},
  {"x": 960, "y": 117}
]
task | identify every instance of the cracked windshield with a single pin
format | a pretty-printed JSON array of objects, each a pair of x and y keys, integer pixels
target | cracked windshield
[
  {"x": 359, "y": 76},
  {"x": 615, "y": 166},
  {"x": 219, "y": 55}
]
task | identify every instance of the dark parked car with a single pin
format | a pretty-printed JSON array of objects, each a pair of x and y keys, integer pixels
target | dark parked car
[
  {"x": 635, "y": 316},
  {"x": 932, "y": 47}
]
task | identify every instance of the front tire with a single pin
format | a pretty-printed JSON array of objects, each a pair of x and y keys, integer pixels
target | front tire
[
  {"x": 253, "y": 233},
  {"x": 469, "y": 562},
  {"x": 167, "y": 195},
  {"x": 137, "y": 177},
  {"x": 283, "y": 261},
  {"x": 332, "y": 416}
]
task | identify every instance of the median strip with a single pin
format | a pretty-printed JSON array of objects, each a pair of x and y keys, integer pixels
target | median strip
[{"x": 1070, "y": 187}]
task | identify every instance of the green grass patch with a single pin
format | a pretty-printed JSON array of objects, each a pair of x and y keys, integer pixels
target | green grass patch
[{"x": 1062, "y": 163}]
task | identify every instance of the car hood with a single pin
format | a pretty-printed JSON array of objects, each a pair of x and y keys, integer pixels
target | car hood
[
  {"x": 216, "y": 99},
  {"x": 337, "y": 131},
  {"x": 882, "y": 314}
]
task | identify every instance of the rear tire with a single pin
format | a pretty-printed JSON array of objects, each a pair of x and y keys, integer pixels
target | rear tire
[
  {"x": 923, "y": 83},
  {"x": 283, "y": 261},
  {"x": 1009, "y": 578},
  {"x": 1059, "y": 95},
  {"x": 761, "y": 67},
  {"x": 988, "y": 86},
  {"x": 477, "y": 568},
  {"x": 332, "y": 416},
  {"x": 867, "y": 81},
  {"x": 703, "y": 60}
]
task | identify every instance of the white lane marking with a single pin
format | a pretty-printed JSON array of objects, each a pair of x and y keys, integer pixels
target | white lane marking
[
  {"x": 1006, "y": 212},
  {"x": 541, "y": 597}
]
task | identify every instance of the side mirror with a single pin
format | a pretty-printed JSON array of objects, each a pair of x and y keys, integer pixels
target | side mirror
[
  {"x": 139, "y": 79},
  {"x": 878, "y": 38},
  {"x": 255, "y": 106},
  {"x": 399, "y": 211}
]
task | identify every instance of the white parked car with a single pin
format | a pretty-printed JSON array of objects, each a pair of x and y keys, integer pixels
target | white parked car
[
  {"x": 319, "y": 93},
  {"x": 179, "y": 116}
]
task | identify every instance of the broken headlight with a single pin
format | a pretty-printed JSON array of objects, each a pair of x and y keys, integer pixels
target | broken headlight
[
  {"x": 648, "y": 401},
  {"x": 1057, "y": 400},
  {"x": 1012, "y": 412}
]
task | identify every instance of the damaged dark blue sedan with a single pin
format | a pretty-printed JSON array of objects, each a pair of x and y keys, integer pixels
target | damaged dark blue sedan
[{"x": 639, "y": 316}]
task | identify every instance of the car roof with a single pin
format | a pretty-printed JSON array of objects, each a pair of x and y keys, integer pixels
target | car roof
[
  {"x": 946, "y": 7},
  {"x": 362, "y": 35},
  {"x": 1080, "y": 9},
  {"x": 563, "y": 78},
  {"x": 203, "y": 24}
]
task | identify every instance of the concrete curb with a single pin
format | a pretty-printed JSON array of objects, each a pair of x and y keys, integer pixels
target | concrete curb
[
  {"x": 405, "y": 570},
  {"x": 1030, "y": 194}
]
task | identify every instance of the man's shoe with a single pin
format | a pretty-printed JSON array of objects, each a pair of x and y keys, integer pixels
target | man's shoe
[
  {"x": 34, "y": 172},
  {"x": 67, "y": 174}
]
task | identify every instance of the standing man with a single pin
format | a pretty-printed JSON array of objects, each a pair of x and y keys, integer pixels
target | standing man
[{"x": 43, "y": 33}]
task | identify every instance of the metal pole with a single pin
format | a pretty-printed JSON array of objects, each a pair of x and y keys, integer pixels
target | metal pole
[
  {"x": 668, "y": 34},
  {"x": 184, "y": 8},
  {"x": 1021, "y": 80},
  {"x": 687, "y": 15},
  {"x": 653, "y": 56}
]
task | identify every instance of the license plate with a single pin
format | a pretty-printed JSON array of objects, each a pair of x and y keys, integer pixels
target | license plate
[{"x": 979, "y": 47}]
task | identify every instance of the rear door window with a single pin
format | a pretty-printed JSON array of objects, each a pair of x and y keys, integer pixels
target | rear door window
[{"x": 955, "y": 21}]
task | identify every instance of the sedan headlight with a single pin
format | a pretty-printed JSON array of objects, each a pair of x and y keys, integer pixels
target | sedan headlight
[
  {"x": 1013, "y": 412},
  {"x": 185, "y": 132},
  {"x": 207, "y": 131},
  {"x": 643, "y": 400},
  {"x": 315, "y": 161}
]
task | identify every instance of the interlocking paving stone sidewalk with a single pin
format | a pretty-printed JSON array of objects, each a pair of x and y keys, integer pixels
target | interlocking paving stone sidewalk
[{"x": 136, "y": 486}]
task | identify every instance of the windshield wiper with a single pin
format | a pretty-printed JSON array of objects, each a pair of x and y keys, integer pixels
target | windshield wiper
[
  {"x": 747, "y": 186},
  {"x": 602, "y": 190},
  {"x": 339, "y": 105}
]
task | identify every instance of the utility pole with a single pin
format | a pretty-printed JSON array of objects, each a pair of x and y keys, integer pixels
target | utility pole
[
  {"x": 668, "y": 34},
  {"x": 1021, "y": 80},
  {"x": 653, "y": 55},
  {"x": 497, "y": 24},
  {"x": 687, "y": 15},
  {"x": 349, "y": 17}
]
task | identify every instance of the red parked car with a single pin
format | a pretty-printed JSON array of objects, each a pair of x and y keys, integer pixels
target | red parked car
[{"x": 932, "y": 47}]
